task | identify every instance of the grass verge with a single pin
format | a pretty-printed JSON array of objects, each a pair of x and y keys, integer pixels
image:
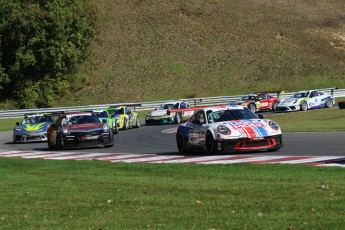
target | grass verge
[{"x": 101, "y": 195}]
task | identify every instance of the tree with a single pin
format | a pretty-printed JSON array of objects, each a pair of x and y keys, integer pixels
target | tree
[{"x": 41, "y": 42}]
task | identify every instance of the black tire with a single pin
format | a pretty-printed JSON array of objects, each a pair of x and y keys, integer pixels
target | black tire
[
  {"x": 178, "y": 118},
  {"x": 58, "y": 143},
  {"x": 181, "y": 144},
  {"x": 304, "y": 106},
  {"x": 110, "y": 145},
  {"x": 329, "y": 103},
  {"x": 115, "y": 128},
  {"x": 210, "y": 144},
  {"x": 274, "y": 106},
  {"x": 252, "y": 107},
  {"x": 137, "y": 123},
  {"x": 125, "y": 124}
]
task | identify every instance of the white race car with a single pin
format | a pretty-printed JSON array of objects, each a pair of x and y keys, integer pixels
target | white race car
[
  {"x": 163, "y": 114},
  {"x": 228, "y": 129},
  {"x": 304, "y": 100}
]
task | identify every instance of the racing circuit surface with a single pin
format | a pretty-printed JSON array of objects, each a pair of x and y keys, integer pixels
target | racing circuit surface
[{"x": 158, "y": 142}]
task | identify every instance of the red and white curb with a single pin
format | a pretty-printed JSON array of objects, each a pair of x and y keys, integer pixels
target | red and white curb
[{"x": 192, "y": 159}]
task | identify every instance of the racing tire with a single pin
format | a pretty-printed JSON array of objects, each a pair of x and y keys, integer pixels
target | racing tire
[
  {"x": 125, "y": 124},
  {"x": 252, "y": 107},
  {"x": 329, "y": 103},
  {"x": 274, "y": 106},
  {"x": 178, "y": 118},
  {"x": 115, "y": 128},
  {"x": 181, "y": 144},
  {"x": 210, "y": 144},
  {"x": 110, "y": 145},
  {"x": 58, "y": 143},
  {"x": 304, "y": 106},
  {"x": 137, "y": 123}
]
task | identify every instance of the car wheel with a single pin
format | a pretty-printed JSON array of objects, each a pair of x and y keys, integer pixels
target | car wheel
[
  {"x": 137, "y": 123},
  {"x": 115, "y": 128},
  {"x": 274, "y": 106},
  {"x": 210, "y": 144},
  {"x": 178, "y": 118},
  {"x": 125, "y": 124},
  {"x": 304, "y": 106},
  {"x": 181, "y": 144},
  {"x": 58, "y": 143},
  {"x": 110, "y": 145},
  {"x": 252, "y": 108},
  {"x": 329, "y": 103}
]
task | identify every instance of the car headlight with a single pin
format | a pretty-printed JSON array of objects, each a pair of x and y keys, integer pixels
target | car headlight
[
  {"x": 295, "y": 101},
  {"x": 223, "y": 129},
  {"x": 117, "y": 117},
  {"x": 18, "y": 128},
  {"x": 106, "y": 128},
  {"x": 273, "y": 125},
  {"x": 65, "y": 131}
]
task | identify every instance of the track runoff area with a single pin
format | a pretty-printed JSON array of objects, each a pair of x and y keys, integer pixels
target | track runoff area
[{"x": 185, "y": 159}]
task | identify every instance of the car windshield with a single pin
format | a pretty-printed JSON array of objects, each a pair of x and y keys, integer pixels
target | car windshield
[
  {"x": 169, "y": 106},
  {"x": 119, "y": 111},
  {"x": 228, "y": 115},
  {"x": 248, "y": 97},
  {"x": 79, "y": 119},
  {"x": 37, "y": 119},
  {"x": 300, "y": 95},
  {"x": 101, "y": 114}
]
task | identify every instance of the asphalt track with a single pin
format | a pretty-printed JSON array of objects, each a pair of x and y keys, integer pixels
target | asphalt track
[{"x": 160, "y": 139}]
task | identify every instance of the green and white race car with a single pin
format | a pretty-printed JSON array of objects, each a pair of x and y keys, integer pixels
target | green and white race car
[
  {"x": 107, "y": 114},
  {"x": 304, "y": 100},
  {"x": 125, "y": 116}
]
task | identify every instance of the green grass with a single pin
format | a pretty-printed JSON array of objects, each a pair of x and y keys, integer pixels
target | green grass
[
  {"x": 8, "y": 124},
  {"x": 160, "y": 50},
  {"x": 48, "y": 194},
  {"x": 318, "y": 120}
]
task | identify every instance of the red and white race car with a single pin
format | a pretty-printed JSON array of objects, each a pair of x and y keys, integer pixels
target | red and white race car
[
  {"x": 258, "y": 102},
  {"x": 228, "y": 129}
]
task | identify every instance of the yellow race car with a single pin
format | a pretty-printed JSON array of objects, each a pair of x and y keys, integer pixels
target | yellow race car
[{"x": 125, "y": 117}]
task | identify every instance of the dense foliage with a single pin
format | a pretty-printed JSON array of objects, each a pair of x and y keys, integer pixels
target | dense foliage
[{"x": 41, "y": 41}]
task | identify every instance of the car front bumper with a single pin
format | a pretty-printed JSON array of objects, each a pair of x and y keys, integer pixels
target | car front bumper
[
  {"x": 247, "y": 144},
  {"x": 30, "y": 137},
  {"x": 85, "y": 141},
  {"x": 159, "y": 120}
]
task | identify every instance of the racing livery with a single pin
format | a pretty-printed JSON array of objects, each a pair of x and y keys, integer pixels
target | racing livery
[
  {"x": 78, "y": 130},
  {"x": 304, "y": 100},
  {"x": 32, "y": 128},
  {"x": 125, "y": 117},
  {"x": 107, "y": 114},
  {"x": 258, "y": 102},
  {"x": 166, "y": 113},
  {"x": 228, "y": 129}
]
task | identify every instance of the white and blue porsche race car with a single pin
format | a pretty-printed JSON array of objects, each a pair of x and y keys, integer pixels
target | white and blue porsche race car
[
  {"x": 304, "y": 100},
  {"x": 228, "y": 129}
]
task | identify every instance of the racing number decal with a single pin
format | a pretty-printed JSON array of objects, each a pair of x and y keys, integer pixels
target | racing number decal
[{"x": 264, "y": 104}]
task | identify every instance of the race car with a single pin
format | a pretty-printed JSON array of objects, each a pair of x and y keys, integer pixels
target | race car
[
  {"x": 125, "y": 117},
  {"x": 32, "y": 128},
  {"x": 258, "y": 102},
  {"x": 165, "y": 114},
  {"x": 79, "y": 130},
  {"x": 304, "y": 100},
  {"x": 107, "y": 114},
  {"x": 229, "y": 128}
]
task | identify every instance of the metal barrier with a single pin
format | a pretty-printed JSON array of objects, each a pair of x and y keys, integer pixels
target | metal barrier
[{"x": 154, "y": 104}]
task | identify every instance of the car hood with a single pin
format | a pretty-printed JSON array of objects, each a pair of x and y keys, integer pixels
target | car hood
[
  {"x": 40, "y": 127},
  {"x": 252, "y": 128},
  {"x": 159, "y": 112},
  {"x": 290, "y": 101},
  {"x": 91, "y": 126}
]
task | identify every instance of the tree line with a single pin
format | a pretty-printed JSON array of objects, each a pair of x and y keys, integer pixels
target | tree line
[{"x": 41, "y": 42}]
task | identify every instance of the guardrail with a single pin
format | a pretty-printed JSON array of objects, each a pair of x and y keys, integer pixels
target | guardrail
[{"x": 154, "y": 104}]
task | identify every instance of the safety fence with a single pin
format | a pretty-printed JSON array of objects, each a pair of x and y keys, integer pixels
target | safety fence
[{"x": 143, "y": 106}]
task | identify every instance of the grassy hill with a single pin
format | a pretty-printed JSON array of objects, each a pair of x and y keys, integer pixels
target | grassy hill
[{"x": 156, "y": 50}]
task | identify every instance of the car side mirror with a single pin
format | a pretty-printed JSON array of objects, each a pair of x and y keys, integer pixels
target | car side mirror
[
  {"x": 260, "y": 116},
  {"x": 53, "y": 125},
  {"x": 197, "y": 122},
  {"x": 104, "y": 121},
  {"x": 17, "y": 123}
]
